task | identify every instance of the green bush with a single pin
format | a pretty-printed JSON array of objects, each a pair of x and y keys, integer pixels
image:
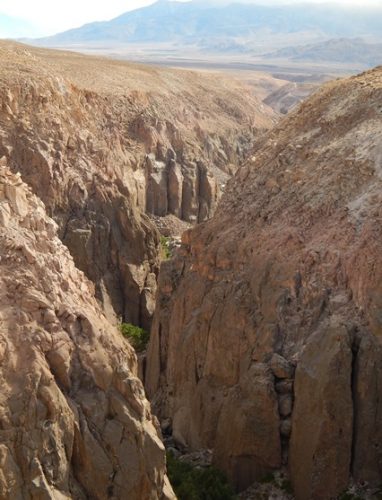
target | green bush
[
  {"x": 286, "y": 486},
  {"x": 349, "y": 496},
  {"x": 138, "y": 337},
  {"x": 268, "y": 478},
  {"x": 165, "y": 247},
  {"x": 192, "y": 483}
]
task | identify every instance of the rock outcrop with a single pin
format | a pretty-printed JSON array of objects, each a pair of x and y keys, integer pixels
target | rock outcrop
[
  {"x": 102, "y": 142},
  {"x": 74, "y": 419},
  {"x": 267, "y": 339}
]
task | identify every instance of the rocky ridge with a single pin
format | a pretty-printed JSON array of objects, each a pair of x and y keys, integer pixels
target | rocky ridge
[
  {"x": 103, "y": 142},
  {"x": 75, "y": 422},
  {"x": 266, "y": 341}
]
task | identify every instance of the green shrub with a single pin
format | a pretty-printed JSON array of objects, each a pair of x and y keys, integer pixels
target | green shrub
[
  {"x": 268, "y": 478},
  {"x": 165, "y": 248},
  {"x": 349, "y": 496},
  {"x": 138, "y": 337},
  {"x": 192, "y": 483},
  {"x": 286, "y": 486}
]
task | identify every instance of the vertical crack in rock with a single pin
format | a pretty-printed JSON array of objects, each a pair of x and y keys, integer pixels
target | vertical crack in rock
[
  {"x": 295, "y": 250},
  {"x": 75, "y": 420},
  {"x": 355, "y": 339},
  {"x": 103, "y": 143}
]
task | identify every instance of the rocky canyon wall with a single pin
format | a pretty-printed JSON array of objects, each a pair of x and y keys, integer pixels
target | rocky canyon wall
[
  {"x": 74, "y": 420},
  {"x": 266, "y": 343},
  {"x": 104, "y": 142}
]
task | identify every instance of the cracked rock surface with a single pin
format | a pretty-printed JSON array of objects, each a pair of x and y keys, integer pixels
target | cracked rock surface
[
  {"x": 74, "y": 420},
  {"x": 103, "y": 143},
  {"x": 266, "y": 344}
]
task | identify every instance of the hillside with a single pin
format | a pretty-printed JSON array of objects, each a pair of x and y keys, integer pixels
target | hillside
[
  {"x": 74, "y": 419},
  {"x": 266, "y": 341},
  {"x": 289, "y": 95},
  {"x": 104, "y": 143}
]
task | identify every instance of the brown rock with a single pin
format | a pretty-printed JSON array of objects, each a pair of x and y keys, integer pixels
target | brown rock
[
  {"x": 284, "y": 386},
  {"x": 285, "y": 405},
  {"x": 79, "y": 130},
  {"x": 322, "y": 416},
  {"x": 208, "y": 193},
  {"x": 75, "y": 421},
  {"x": 175, "y": 188},
  {"x": 281, "y": 367},
  {"x": 367, "y": 459},
  {"x": 289, "y": 266},
  {"x": 156, "y": 195},
  {"x": 286, "y": 427},
  {"x": 247, "y": 442}
]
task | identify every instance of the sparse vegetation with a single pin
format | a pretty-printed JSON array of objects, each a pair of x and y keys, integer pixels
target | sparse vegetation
[
  {"x": 165, "y": 247},
  {"x": 268, "y": 478},
  {"x": 193, "y": 483},
  {"x": 278, "y": 480},
  {"x": 286, "y": 486},
  {"x": 138, "y": 337},
  {"x": 349, "y": 496}
]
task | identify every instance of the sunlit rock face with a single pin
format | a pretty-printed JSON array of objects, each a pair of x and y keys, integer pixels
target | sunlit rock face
[
  {"x": 266, "y": 340},
  {"x": 75, "y": 422},
  {"x": 103, "y": 143}
]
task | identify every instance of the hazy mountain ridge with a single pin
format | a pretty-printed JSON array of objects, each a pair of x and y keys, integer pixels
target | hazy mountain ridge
[
  {"x": 187, "y": 22},
  {"x": 341, "y": 50}
]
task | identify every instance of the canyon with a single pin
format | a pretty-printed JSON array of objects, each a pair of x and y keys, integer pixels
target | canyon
[
  {"x": 265, "y": 349},
  {"x": 266, "y": 340},
  {"x": 96, "y": 155},
  {"x": 106, "y": 144}
]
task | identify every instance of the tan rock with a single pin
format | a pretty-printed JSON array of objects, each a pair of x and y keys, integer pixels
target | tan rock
[
  {"x": 322, "y": 416},
  {"x": 175, "y": 189},
  {"x": 285, "y": 280},
  {"x": 79, "y": 133},
  {"x": 281, "y": 367},
  {"x": 63, "y": 367}
]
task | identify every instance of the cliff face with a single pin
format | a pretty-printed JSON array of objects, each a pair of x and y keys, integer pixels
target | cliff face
[
  {"x": 102, "y": 142},
  {"x": 266, "y": 342},
  {"x": 74, "y": 419}
]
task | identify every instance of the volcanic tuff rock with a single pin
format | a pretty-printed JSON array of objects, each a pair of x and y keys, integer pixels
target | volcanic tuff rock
[
  {"x": 101, "y": 142},
  {"x": 74, "y": 419},
  {"x": 275, "y": 305}
]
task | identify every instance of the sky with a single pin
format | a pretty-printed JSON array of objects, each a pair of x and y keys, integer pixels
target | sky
[{"x": 47, "y": 17}]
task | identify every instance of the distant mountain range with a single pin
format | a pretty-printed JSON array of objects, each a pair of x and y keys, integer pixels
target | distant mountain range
[
  {"x": 190, "y": 22},
  {"x": 341, "y": 50}
]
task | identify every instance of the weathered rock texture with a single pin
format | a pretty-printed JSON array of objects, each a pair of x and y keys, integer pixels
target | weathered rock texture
[
  {"x": 102, "y": 142},
  {"x": 74, "y": 419},
  {"x": 267, "y": 340}
]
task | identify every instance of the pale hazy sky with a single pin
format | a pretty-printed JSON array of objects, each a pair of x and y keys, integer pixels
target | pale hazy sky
[{"x": 45, "y": 17}]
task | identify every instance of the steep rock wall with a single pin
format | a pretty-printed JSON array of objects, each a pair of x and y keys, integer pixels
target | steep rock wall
[
  {"x": 74, "y": 419},
  {"x": 103, "y": 142},
  {"x": 266, "y": 342}
]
